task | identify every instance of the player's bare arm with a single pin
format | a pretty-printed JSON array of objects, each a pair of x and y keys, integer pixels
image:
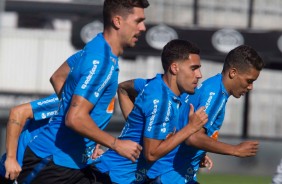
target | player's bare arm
[
  {"x": 155, "y": 149},
  {"x": 126, "y": 97},
  {"x": 17, "y": 119},
  {"x": 59, "y": 77},
  {"x": 78, "y": 119},
  {"x": 204, "y": 142}
]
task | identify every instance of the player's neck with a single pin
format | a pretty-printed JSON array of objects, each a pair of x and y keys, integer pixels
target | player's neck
[
  {"x": 170, "y": 81},
  {"x": 113, "y": 40}
]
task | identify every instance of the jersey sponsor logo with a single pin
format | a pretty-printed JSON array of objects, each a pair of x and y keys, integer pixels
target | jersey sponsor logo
[
  {"x": 168, "y": 114},
  {"x": 155, "y": 102},
  {"x": 168, "y": 111},
  {"x": 107, "y": 79},
  {"x": 52, "y": 100},
  {"x": 223, "y": 102},
  {"x": 111, "y": 106},
  {"x": 209, "y": 100},
  {"x": 91, "y": 73}
]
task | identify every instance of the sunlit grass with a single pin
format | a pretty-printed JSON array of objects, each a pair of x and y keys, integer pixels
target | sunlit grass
[{"x": 205, "y": 178}]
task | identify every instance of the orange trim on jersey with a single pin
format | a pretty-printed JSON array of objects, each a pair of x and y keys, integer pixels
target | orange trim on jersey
[
  {"x": 111, "y": 106},
  {"x": 215, "y": 135}
]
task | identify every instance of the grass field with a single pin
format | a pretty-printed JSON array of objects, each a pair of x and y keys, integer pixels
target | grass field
[{"x": 205, "y": 178}]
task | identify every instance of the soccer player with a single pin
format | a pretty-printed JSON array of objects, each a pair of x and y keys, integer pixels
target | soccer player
[
  {"x": 154, "y": 120},
  {"x": 87, "y": 101},
  {"x": 25, "y": 122},
  {"x": 241, "y": 68}
]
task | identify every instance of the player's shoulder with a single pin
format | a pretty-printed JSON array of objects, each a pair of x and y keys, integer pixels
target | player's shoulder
[{"x": 213, "y": 83}]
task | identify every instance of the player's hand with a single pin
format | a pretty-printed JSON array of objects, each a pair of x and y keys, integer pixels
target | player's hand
[
  {"x": 197, "y": 119},
  {"x": 206, "y": 162},
  {"x": 128, "y": 149},
  {"x": 13, "y": 169},
  {"x": 97, "y": 152},
  {"x": 246, "y": 149}
]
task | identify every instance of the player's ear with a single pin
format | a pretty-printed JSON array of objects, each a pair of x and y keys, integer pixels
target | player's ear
[
  {"x": 116, "y": 21},
  {"x": 174, "y": 68},
  {"x": 232, "y": 73}
]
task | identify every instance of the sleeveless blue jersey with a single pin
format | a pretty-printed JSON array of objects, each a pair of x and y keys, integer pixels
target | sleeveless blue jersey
[
  {"x": 155, "y": 115},
  {"x": 95, "y": 78}
]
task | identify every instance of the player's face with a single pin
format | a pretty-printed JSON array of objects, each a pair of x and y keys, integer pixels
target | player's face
[
  {"x": 243, "y": 82},
  {"x": 189, "y": 73},
  {"x": 132, "y": 27}
]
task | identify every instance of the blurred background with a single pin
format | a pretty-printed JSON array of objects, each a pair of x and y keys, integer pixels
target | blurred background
[{"x": 37, "y": 36}]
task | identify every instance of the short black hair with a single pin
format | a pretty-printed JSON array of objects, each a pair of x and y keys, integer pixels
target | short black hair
[
  {"x": 123, "y": 7},
  {"x": 243, "y": 58},
  {"x": 177, "y": 49}
]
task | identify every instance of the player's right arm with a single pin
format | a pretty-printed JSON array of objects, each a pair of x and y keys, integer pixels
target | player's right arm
[
  {"x": 17, "y": 119},
  {"x": 79, "y": 120},
  {"x": 126, "y": 97}
]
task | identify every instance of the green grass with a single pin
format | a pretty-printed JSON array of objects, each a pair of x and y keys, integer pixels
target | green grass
[{"x": 205, "y": 178}]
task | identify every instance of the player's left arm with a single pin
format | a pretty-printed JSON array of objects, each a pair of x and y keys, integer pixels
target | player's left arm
[
  {"x": 59, "y": 77},
  {"x": 127, "y": 92},
  {"x": 154, "y": 149},
  {"x": 201, "y": 141}
]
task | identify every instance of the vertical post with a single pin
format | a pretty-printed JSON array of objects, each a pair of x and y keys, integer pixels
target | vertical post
[
  {"x": 195, "y": 12},
  {"x": 2, "y": 9},
  {"x": 245, "y": 129}
]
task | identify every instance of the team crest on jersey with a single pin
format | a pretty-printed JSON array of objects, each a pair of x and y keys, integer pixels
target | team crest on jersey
[{"x": 96, "y": 94}]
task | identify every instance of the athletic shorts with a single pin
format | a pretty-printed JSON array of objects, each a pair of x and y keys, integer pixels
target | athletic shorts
[{"x": 44, "y": 171}]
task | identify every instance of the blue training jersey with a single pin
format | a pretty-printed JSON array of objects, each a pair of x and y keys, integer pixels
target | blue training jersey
[
  {"x": 155, "y": 115},
  {"x": 213, "y": 95},
  {"x": 95, "y": 78},
  {"x": 42, "y": 110}
]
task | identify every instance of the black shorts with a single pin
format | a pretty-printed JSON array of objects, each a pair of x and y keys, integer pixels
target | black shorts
[
  {"x": 36, "y": 170},
  {"x": 3, "y": 180}
]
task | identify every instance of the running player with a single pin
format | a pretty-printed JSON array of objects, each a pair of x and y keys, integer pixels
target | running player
[
  {"x": 241, "y": 68},
  {"x": 154, "y": 120},
  {"x": 25, "y": 122},
  {"x": 87, "y": 102}
]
